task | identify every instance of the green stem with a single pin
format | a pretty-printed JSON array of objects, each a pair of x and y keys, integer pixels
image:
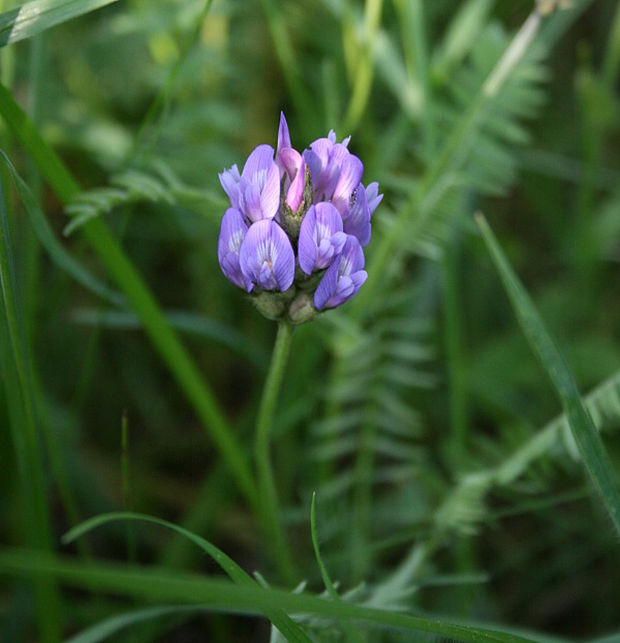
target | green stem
[
  {"x": 268, "y": 496},
  {"x": 15, "y": 363},
  {"x": 140, "y": 298},
  {"x": 455, "y": 350}
]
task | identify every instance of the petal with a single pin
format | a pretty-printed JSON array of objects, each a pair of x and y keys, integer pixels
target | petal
[
  {"x": 338, "y": 241},
  {"x": 267, "y": 257},
  {"x": 357, "y": 222},
  {"x": 306, "y": 246},
  {"x": 261, "y": 158},
  {"x": 351, "y": 172},
  {"x": 270, "y": 194},
  {"x": 232, "y": 233},
  {"x": 351, "y": 257},
  {"x": 284, "y": 138},
  {"x": 347, "y": 287},
  {"x": 322, "y": 150},
  {"x": 359, "y": 278},
  {"x": 327, "y": 286},
  {"x": 230, "y": 182},
  {"x": 296, "y": 189},
  {"x": 373, "y": 197},
  {"x": 248, "y": 254},
  {"x": 315, "y": 249},
  {"x": 284, "y": 262},
  {"x": 329, "y": 218},
  {"x": 250, "y": 200},
  {"x": 291, "y": 161}
]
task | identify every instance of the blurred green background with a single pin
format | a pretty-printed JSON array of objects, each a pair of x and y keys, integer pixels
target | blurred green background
[{"x": 391, "y": 402}]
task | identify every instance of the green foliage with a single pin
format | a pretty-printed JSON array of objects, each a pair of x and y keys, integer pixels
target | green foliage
[
  {"x": 415, "y": 412},
  {"x": 36, "y": 16}
]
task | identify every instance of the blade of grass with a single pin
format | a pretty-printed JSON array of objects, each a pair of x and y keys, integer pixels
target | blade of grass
[
  {"x": 34, "y": 17},
  {"x": 139, "y": 296},
  {"x": 280, "y": 619},
  {"x": 114, "y": 624},
  {"x": 351, "y": 633},
  {"x": 591, "y": 447},
  {"x": 225, "y": 596},
  {"x": 25, "y": 434}
]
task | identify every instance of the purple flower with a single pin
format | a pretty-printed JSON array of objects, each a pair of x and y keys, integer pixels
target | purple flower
[
  {"x": 343, "y": 278},
  {"x": 232, "y": 233},
  {"x": 266, "y": 257},
  {"x": 320, "y": 237},
  {"x": 334, "y": 170},
  {"x": 362, "y": 205},
  {"x": 291, "y": 216},
  {"x": 256, "y": 193}
]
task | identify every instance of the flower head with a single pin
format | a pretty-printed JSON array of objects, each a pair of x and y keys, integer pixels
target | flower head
[{"x": 297, "y": 220}]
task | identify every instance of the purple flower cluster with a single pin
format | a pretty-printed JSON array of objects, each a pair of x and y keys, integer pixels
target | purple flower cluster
[{"x": 296, "y": 226}]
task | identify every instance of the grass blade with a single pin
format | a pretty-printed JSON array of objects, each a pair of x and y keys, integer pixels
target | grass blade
[
  {"x": 16, "y": 369},
  {"x": 114, "y": 624},
  {"x": 351, "y": 633},
  {"x": 279, "y": 618},
  {"x": 120, "y": 268},
  {"x": 225, "y": 596},
  {"x": 586, "y": 436},
  {"x": 34, "y": 17}
]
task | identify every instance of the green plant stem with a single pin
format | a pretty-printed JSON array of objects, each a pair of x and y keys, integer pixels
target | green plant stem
[
  {"x": 15, "y": 363},
  {"x": 268, "y": 496},
  {"x": 454, "y": 347},
  {"x": 140, "y": 298}
]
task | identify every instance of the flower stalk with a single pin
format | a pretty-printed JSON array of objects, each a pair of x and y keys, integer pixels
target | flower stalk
[{"x": 269, "y": 505}]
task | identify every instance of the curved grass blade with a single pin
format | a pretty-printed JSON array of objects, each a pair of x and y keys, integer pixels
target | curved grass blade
[
  {"x": 352, "y": 634},
  {"x": 227, "y": 597},
  {"x": 115, "y": 624},
  {"x": 278, "y": 617},
  {"x": 586, "y": 436},
  {"x": 36, "y": 16}
]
